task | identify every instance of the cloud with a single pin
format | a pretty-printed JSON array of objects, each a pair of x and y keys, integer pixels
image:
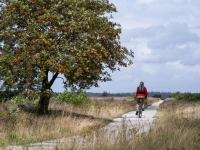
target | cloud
[
  {"x": 175, "y": 34},
  {"x": 163, "y": 43},
  {"x": 144, "y": 1},
  {"x": 183, "y": 68},
  {"x": 160, "y": 36},
  {"x": 144, "y": 14}
]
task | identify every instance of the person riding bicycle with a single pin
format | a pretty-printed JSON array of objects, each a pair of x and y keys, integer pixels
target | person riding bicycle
[{"x": 141, "y": 92}]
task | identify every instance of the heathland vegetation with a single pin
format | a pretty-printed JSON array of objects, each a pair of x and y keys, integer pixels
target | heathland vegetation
[
  {"x": 176, "y": 124},
  {"x": 69, "y": 114}
]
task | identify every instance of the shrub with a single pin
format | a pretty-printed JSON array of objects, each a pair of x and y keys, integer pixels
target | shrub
[
  {"x": 22, "y": 99},
  {"x": 156, "y": 96},
  {"x": 104, "y": 94},
  {"x": 79, "y": 98},
  {"x": 186, "y": 96},
  {"x": 6, "y": 95},
  {"x": 134, "y": 95}
]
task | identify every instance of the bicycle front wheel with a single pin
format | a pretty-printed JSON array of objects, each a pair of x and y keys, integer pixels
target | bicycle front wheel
[{"x": 140, "y": 114}]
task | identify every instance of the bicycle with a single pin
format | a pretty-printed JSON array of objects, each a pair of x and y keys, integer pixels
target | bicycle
[{"x": 140, "y": 108}]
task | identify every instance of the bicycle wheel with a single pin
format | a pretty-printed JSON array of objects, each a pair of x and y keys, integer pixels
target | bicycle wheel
[
  {"x": 140, "y": 114},
  {"x": 140, "y": 109}
]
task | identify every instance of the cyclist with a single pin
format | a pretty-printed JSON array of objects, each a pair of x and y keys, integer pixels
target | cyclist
[{"x": 141, "y": 92}]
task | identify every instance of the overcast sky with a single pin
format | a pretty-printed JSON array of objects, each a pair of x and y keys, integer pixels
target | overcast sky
[{"x": 164, "y": 35}]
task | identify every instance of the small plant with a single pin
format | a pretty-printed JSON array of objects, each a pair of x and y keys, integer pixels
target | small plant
[
  {"x": 13, "y": 110},
  {"x": 110, "y": 99},
  {"x": 129, "y": 97},
  {"x": 3, "y": 113},
  {"x": 13, "y": 136}
]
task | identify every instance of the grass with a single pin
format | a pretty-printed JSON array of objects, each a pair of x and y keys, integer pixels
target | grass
[
  {"x": 176, "y": 127},
  {"x": 64, "y": 120},
  {"x": 67, "y": 120}
]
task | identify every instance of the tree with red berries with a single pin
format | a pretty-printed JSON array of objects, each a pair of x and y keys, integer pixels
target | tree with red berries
[{"x": 72, "y": 38}]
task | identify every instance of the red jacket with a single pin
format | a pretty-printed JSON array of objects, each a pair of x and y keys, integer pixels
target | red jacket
[{"x": 145, "y": 94}]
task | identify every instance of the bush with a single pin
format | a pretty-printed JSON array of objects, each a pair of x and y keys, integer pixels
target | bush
[
  {"x": 80, "y": 98},
  {"x": 134, "y": 95},
  {"x": 104, "y": 94},
  {"x": 186, "y": 96},
  {"x": 156, "y": 96},
  {"x": 22, "y": 99},
  {"x": 6, "y": 95}
]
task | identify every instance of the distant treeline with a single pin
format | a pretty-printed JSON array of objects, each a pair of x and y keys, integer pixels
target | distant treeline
[
  {"x": 162, "y": 95},
  {"x": 186, "y": 96}
]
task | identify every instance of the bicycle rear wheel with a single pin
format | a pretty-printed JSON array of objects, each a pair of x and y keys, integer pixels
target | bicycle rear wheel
[{"x": 140, "y": 109}]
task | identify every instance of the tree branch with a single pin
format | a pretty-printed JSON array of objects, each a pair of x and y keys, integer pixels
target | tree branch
[{"x": 53, "y": 79}]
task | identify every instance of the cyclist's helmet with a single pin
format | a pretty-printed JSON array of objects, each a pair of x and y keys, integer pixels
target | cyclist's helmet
[{"x": 141, "y": 83}]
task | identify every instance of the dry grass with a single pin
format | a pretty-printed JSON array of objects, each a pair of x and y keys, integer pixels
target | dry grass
[
  {"x": 177, "y": 127},
  {"x": 64, "y": 120}
]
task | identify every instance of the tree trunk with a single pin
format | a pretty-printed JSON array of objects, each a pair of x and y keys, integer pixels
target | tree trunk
[
  {"x": 44, "y": 95},
  {"x": 43, "y": 105}
]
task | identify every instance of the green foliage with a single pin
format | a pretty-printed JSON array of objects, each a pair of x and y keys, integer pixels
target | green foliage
[
  {"x": 70, "y": 37},
  {"x": 73, "y": 38},
  {"x": 13, "y": 109},
  {"x": 80, "y": 98},
  {"x": 134, "y": 95},
  {"x": 19, "y": 99},
  {"x": 157, "y": 96},
  {"x": 105, "y": 94},
  {"x": 186, "y": 96},
  {"x": 7, "y": 94},
  {"x": 13, "y": 136},
  {"x": 129, "y": 97}
]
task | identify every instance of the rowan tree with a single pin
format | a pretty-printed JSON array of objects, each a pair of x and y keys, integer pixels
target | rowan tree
[{"x": 72, "y": 38}]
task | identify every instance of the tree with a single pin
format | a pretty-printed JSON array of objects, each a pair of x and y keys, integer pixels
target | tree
[
  {"x": 156, "y": 96},
  {"x": 73, "y": 38},
  {"x": 105, "y": 94}
]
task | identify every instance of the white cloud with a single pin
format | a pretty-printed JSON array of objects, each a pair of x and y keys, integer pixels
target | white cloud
[
  {"x": 178, "y": 66},
  {"x": 181, "y": 46},
  {"x": 150, "y": 69},
  {"x": 144, "y": 1}
]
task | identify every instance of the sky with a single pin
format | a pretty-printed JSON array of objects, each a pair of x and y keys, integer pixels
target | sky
[{"x": 165, "y": 38}]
